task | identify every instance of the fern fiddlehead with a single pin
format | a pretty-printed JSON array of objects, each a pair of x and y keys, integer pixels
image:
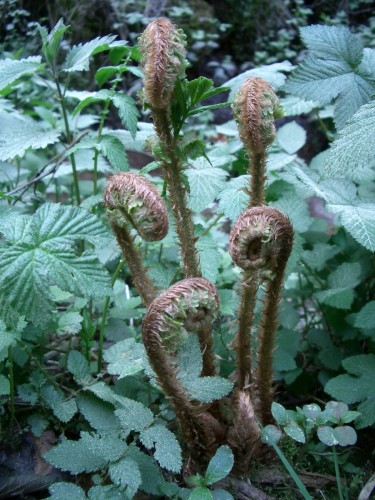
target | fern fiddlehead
[
  {"x": 187, "y": 307},
  {"x": 133, "y": 202},
  {"x": 163, "y": 59}
]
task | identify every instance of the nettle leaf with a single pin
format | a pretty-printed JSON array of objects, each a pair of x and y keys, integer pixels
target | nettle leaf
[
  {"x": 337, "y": 68},
  {"x": 355, "y": 144},
  {"x": 69, "y": 322},
  {"x": 52, "y": 40},
  {"x": 205, "y": 183},
  {"x": 127, "y": 111},
  {"x": 88, "y": 98},
  {"x": 127, "y": 357},
  {"x": 291, "y": 137},
  {"x": 357, "y": 387},
  {"x": 63, "y": 490},
  {"x": 134, "y": 416},
  {"x": 42, "y": 256},
  {"x": 11, "y": 70},
  {"x": 341, "y": 282},
  {"x": 114, "y": 151},
  {"x": 78, "y": 58},
  {"x": 79, "y": 368},
  {"x": 209, "y": 257},
  {"x": 167, "y": 449},
  {"x": 297, "y": 211},
  {"x": 64, "y": 409},
  {"x": 233, "y": 199},
  {"x": 366, "y": 317},
  {"x": 24, "y": 135},
  {"x": 220, "y": 465},
  {"x": 98, "y": 413},
  {"x": 125, "y": 473}
]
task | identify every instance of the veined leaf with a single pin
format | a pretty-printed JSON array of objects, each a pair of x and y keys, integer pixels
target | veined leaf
[
  {"x": 78, "y": 58},
  {"x": 167, "y": 449},
  {"x": 127, "y": 111},
  {"x": 337, "y": 68},
  {"x": 355, "y": 145},
  {"x": 42, "y": 256},
  {"x": 52, "y": 40},
  {"x": 113, "y": 150},
  {"x": 205, "y": 183},
  {"x": 101, "y": 95},
  {"x": 11, "y": 70},
  {"x": 126, "y": 473},
  {"x": 234, "y": 198},
  {"x": 220, "y": 465}
]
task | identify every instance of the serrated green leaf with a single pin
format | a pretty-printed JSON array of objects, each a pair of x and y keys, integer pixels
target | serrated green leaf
[
  {"x": 104, "y": 493},
  {"x": 209, "y": 258},
  {"x": 127, "y": 111},
  {"x": 37, "y": 423},
  {"x": 331, "y": 358},
  {"x": 233, "y": 199},
  {"x": 76, "y": 456},
  {"x": 205, "y": 183},
  {"x": 228, "y": 302},
  {"x": 297, "y": 211},
  {"x": 190, "y": 361},
  {"x": 354, "y": 146},
  {"x": 11, "y": 70},
  {"x": 220, "y": 465},
  {"x": 294, "y": 106},
  {"x": 98, "y": 413},
  {"x": 134, "y": 416},
  {"x": 66, "y": 491},
  {"x": 69, "y": 322},
  {"x": 291, "y": 137},
  {"x": 167, "y": 449},
  {"x": 64, "y": 409},
  {"x": 42, "y": 257},
  {"x": 366, "y": 316},
  {"x": 207, "y": 389},
  {"x": 93, "y": 97},
  {"x": 24, "y": 135},
  {"x": 78, "y": 58},
  {"x": 152, "y": 477},
  {"x": 52, "y": 40},
  {"x": 79, "y": 368},
  {"x": 220, "y": 494},
  {"x": 283, "y": 360},
  {"x": 125, "y": 358},
  {"x": 335, "y": 69},
  {"x": 114, "y": 151},
  {"x": 125, "y": 473}
]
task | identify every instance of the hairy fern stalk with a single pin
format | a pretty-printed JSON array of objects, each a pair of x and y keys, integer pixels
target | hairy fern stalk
[{"x": 184, "y": 314}]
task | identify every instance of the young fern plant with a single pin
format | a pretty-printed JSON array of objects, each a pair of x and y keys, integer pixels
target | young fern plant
[{"x": 182, "y": 316}]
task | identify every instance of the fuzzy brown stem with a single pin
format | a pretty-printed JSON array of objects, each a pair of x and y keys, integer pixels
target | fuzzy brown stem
[
  {"x": 141, "y": 280},
  {"x": 258, "y": 178},
  {"x": 250, "y": 286},
  {"x": 177, "y": 192},
  {"x": 268, "y": 327},
  {"x": 205, "y": 341}
]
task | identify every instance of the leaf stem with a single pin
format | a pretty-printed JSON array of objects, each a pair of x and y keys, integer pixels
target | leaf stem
[
  {"x": 337, "y": 473},
  {"x": 104, "y": 317},
  {"x": 11, "y": 384},
  {"x": 211, "y": 225}
]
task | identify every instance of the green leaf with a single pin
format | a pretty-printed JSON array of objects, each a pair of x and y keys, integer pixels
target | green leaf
[
  {"x": 76, "y": 456},
  {"x": 41, "y": 256},
  {"x": 37, "y": 423},
  {"x": 125, "y": 358},
  {"x": 167, "y": 449},
  {"x": 355, "y": 144},
  {"x": 205, "y": 183},
  {"x": 357, "y": 388},
  {"x": 312, "y": 411},
  {"x": 200, "y": 493},
  {"x": 207, "y": 389},
  {"x": 93, "y": 97},
  {"x": 11, "y": 70},
  {"x": 66, "y": 491},
  {"x": 55, "y": 399},
  {"x": 220, "y": 494},
  {"x": 271, "y": 435},
  {"x": 78, "y": 58},
  {"x": 209, "y": 258},
  {"x": 337, "y": 68},
  {"x": 151, "y": 474},
  {"x": 4, "y": 385},
  {"x": 279, "y": 413},
  {"x": 345, "y": 435},
  {"x": 220, "y": 465},
  {"x": 24, "y": 135},
  {"x": 327, "y": 436},
  {"x": 79, "y": 368},
  {"x": 51, "y": 41},
  {"x": 233, "y": 199},
  {"x": 114, "y": 151},
  {"x": 190, "y": 361},
  {"x": 366, "y": 317},
  {"x": 127, "y": 111},
  {"x": 297, "y": 211},
  {"x": 134, "y": 416},
  {"x": 69, "y": 322},
  {"x": 98, "y": 413},
  {"x": 293, "y": 430},
  {"x": 291, "y": 137},
  {"x": 125, "y": 473}
]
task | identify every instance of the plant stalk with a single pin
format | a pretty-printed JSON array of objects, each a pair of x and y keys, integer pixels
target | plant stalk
[
  {"x": 11, "y": 385},
  {"x": 258, "y": 178}
]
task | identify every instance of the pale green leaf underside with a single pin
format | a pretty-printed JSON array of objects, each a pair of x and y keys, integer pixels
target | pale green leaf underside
[
  {"x": 234, "y": 198},
  {"x": 11, "y": 70},
  {"x": 204, "y": 184},
  {"x": 355, "y": 145}
]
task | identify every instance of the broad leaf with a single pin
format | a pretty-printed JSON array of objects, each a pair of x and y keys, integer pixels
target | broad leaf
[
  {"x": 11, "y": 70},
  {"x": 220, "y": 465},
  {"x": 126, "y": 474},
  {"x": 233, "y": 199},
  {"x": 113, "y": 150},
  {"x": 78, "y": 58},
  {"x": 127, "y": 111},
  {"x": 134, "y": 416},
  {"x": 291, "y": 137},
  {"x": 125, "y": 358},
  {"x": 205, "y": 183},
  {"x": 167, "y": 448}
]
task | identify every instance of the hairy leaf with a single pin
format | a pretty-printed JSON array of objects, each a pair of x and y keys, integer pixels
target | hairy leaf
[
  {"x": 11, "y": 70},
  {"x": 125, "y": 358},
  {"x": 205, "y": 183},
  {"x": 127, "y": 111},
  {"x": 125, "y": 473},
  {"x": 78, "y": 58},
  {"x": 167, "y": 448},
  {"x": 134, "y": 416},
  {"x": 65, "y": 491},
  {"x": 234, "y": 198},
  {"x": 114, "y": 151}
]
